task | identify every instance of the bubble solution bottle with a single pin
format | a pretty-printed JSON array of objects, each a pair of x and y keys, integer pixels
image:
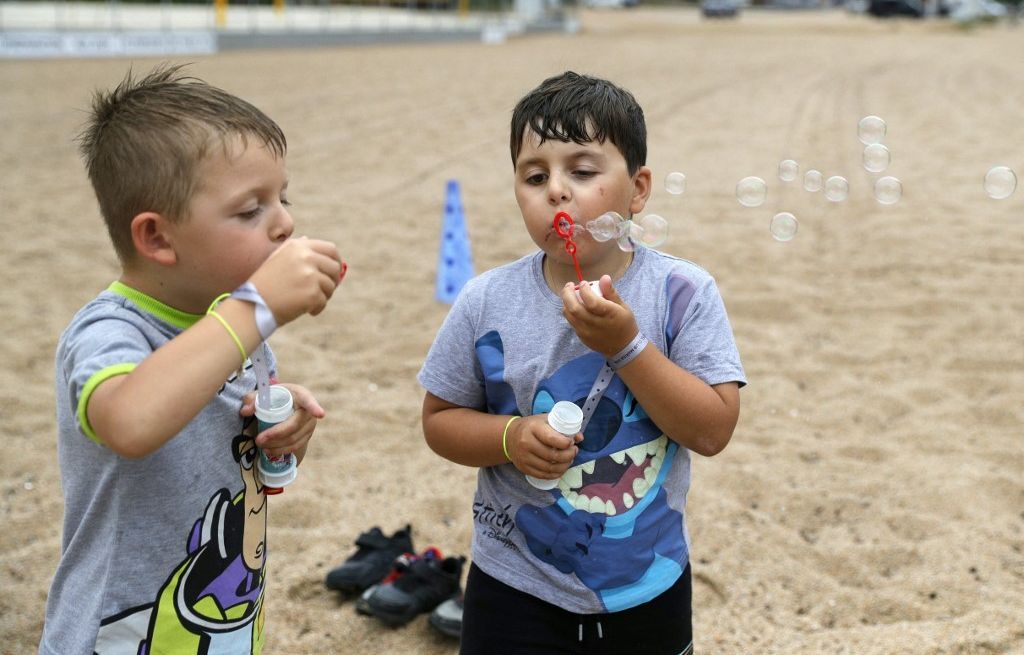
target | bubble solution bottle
[
  {"x": 280, "y": 471},
  {"x": 565, "y": 417}
]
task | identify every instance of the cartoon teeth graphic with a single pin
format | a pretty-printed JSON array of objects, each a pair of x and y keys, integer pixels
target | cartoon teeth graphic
[{"x": 613, "y": 484}]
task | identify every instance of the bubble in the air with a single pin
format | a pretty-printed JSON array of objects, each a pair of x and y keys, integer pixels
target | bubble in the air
[
  {"x": 675, "y": 183},
  {"x": 876, "y": 158},
  {"x": 1000, "y": 182},
  {"x": 655, "y": 230},
  {"x": 605, "y": 226},
  {"x": 788, "y": 170},
  {"x": 812, "y": 180},
  {"x": 837, "y": 189},
  {"x": 626, "y": 244},
  {"x": 751, "y": 191},
  {"x": 871, "y": 129},
  {"x": 888, "y": 190},
  {"x": 783, "y": 226}
]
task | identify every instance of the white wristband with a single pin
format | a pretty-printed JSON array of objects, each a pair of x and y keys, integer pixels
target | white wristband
[
  {"x": 265, "y": 321},
  {"x": 630, "y": 352}
]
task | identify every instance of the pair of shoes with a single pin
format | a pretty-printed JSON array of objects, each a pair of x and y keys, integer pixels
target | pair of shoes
[
  {"x": 425, "y": 584},
  {"x": 399, "y": 566},
  {"x": 373, "y": 557},
  {"x": 447, "y": 617}
]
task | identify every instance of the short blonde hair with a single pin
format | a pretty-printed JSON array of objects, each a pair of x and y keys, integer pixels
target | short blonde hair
[{"x": 146, "y": 139}]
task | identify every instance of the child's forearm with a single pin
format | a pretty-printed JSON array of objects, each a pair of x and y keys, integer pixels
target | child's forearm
[
  {"x": 689, "y": 411},
  {"x": 137, "y": 413},
  {"x": 462, "y": 435}
]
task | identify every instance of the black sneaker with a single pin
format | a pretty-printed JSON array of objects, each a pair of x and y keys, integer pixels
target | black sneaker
[
  {"x": 447, "y": 617},
  {"x": 398, "y": 567},
  {"x": 371, "y": 561},
  {"x": 424, "y": 586}
]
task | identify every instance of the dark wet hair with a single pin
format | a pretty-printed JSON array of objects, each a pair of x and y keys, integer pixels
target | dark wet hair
[{"x": 582, "y": 109}]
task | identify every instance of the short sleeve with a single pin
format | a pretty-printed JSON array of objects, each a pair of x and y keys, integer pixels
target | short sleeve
[
  {"x": 698, "y": 331},
  {"x": 92, "y": 353},
  {"x": 451, "y": 370}
]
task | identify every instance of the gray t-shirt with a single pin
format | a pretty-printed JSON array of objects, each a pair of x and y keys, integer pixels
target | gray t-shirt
[
  {"x": 612, "y": 535},
  {"x": 166, "y": 551}
]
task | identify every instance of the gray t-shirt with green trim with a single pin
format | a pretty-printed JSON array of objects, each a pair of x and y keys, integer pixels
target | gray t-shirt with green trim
[
  {"x": 612, "y": 535},
  {"x": 166, "y": 553}
]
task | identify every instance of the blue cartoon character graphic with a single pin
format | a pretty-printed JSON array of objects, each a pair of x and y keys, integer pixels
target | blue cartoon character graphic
[
  {"x": 213, "y": 601},
  {"x": 609, "y": 521}
]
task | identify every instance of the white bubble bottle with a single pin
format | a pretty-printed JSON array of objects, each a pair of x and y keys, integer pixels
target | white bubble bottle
[
  {"x": 280, "y": 471},
  {"x": 565, "y": 417}
]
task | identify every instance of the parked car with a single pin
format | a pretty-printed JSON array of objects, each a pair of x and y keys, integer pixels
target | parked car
[
  {"x": 720, "y": 8},
  {"x": 888, "y": 8}
]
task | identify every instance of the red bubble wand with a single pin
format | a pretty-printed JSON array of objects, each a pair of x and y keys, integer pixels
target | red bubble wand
[{"x": 563, "y": 225}]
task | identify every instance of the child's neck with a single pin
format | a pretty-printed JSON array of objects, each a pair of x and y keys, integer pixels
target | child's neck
[
  {"x": 614, "y": 265},
  {"x": 157, "y": 289}
]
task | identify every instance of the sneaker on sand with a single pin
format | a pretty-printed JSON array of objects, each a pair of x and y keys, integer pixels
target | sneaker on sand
[
  {"x": 426, "y": 584},
  {"x": 447, "y": 617},
  {"x": 371, "y": 561},
  {"x": 399, "y": 566}
]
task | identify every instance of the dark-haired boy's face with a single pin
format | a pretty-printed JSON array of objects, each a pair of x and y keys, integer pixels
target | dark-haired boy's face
[{"x": 585, "y": 180}]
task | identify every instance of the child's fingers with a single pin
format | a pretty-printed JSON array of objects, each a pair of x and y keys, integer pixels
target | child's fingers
[
  {"x": 248, "y": 404},
  {"x": 304, "y": 400}
]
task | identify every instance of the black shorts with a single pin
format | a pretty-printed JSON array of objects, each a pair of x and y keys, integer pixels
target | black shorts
[{"x": 500, "y": 620}]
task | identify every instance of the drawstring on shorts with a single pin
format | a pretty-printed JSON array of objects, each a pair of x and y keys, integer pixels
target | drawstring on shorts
[{"x": 600, "y": 631}]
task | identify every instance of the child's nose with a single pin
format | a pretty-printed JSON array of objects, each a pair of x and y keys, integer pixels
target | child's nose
[
  {"x": 558, "y": 190},
  {"x": 284, "y": 227}
]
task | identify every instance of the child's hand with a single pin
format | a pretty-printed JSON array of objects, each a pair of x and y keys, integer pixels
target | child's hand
[
  {"x": 539, "y": 450},
  {"x": 298, "y": 278},
  {"x": 292, "y": 435},
  {"x": 605, "y": 325}
]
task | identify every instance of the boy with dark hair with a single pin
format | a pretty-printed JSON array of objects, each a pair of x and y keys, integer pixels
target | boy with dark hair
[
  {"x": 599, "y": 563},
  {"x": 164, "y": 536}
]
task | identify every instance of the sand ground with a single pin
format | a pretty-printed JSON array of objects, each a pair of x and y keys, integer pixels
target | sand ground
[{"x": 872, "y": 499}]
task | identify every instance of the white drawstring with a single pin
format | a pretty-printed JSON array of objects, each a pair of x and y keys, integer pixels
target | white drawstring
[{"x": 600, "y": 631}]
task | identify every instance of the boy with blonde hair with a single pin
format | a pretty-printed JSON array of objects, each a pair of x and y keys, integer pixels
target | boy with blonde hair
[{"x": 164, "y": 535}]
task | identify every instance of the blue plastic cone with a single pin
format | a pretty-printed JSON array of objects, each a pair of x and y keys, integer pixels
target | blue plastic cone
[{"x": 455, "y": 261}]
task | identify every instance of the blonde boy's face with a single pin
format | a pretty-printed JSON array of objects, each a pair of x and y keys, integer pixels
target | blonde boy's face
[
  {"x": 585, "y": 180},
  {"x": 237, "y": 218}
]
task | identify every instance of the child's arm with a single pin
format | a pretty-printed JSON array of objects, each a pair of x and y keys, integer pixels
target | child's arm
[
  {"x": 137, "y": 413},
  {"x": 690, "y": 412},
  {"x": 474, "y": 438}
]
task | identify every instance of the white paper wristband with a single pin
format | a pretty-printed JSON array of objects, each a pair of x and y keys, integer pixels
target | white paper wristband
[
  {"x": 630, "y": 352},
  {"x": 265, "y": 321}
]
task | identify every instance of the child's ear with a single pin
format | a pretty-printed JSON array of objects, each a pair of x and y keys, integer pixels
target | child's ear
[
  {"x": 641, "y": 190},
  {"x": 152, "y": 238}
]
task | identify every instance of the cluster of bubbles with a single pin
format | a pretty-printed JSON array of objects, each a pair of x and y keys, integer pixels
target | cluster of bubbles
[
  {"x": 1000, "y": 183},
  {"x": 650, "y": 231},
  {"x": 876, "y": 159}
]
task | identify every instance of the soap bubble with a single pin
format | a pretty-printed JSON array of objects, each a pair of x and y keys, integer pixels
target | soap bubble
[
  {"x": 626, "y": 244},
  {"x": 606, "y": 226},
  {"x": 876, "y": 158},
  {"x": 1000, "y": 182},
  {"x": 751, "y": 191},
  {"x": 812, "y": 181},
  {"x": 654, "y": 230},
  {"x": 675, "y": 183},
  {"x": 888, "y": 190},
  {"x": 788, "y": 170},
  {"x": 837, "y": 189},
  {"x": 871, "y": 129},
  {"x": 783, "y": 226}
]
